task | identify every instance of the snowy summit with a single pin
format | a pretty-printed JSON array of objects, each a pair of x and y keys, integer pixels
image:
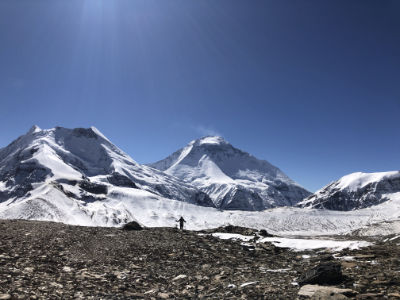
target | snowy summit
[
  {"x": 355, "y": 191},
  {"x": 233, "y": 179},
  {"x": 68, "y": 174}
]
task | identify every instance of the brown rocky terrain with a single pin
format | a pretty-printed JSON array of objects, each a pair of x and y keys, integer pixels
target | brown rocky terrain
[{"x": 45, "y": 260}]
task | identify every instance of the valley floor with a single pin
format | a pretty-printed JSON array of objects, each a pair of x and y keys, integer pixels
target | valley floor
[{"x": 42, "y": 260}]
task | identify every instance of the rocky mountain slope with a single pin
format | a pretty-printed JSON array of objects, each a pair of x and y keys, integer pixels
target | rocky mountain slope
[
  {"x": 356, "y": 191},
  {"x": 232, "y": 178},
  {"x": 57, "y": 173}
]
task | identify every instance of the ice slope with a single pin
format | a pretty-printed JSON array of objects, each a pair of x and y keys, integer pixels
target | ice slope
[
  {"x": 48, "y": 202},
  {"x": 83, "y": 164},
  {"x": 232, "y": 178},
  {"x": 355, "y": 191},
  {"x": 379, "y": 229}
]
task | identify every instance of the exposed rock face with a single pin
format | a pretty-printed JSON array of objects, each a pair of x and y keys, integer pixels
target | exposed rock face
[
  {"x": 234, "y": 179},
  {"x": 203, "y": 199},
  {"x": 355, "y": 191},
  {"x": 92, "y": 187},
  {"x": 121, "y": 180},
  {"x": 18, "y": 180},
  {"x": 84, "y": 132}
]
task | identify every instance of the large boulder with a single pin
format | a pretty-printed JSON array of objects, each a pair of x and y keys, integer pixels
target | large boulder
[
  {"x": 325, "y": 273},
  {"x": 132, "y": 226},
  {"x": 265, "y": 233}
]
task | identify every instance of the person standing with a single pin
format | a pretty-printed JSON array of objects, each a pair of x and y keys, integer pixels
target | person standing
[{"x": 181, "y": 221}]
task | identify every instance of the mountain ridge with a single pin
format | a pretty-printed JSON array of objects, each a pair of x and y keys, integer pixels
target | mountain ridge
[
  {"x": 78, "y": 167},
  {"x": 77, "y": 176},
  {"x": 355, "y": 191},
  {"x": 234, "y": 179}
]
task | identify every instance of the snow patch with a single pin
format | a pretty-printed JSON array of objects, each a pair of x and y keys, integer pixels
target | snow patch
[
  {"x": 357, "y": 180},
  {"x": 248, "y": 283},
  {"x": 312, "y": 244},
  {"x": 298, "y": 244},
  {"x": 232, "y": 236},
  {"x": 212, "y": 140},
  {"x": 277, "y": 270}
]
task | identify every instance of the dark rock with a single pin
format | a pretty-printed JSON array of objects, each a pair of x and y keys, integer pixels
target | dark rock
[
  {"x": 234, "y": 229},
  {"x": 264, "y": 233},
  {"x": 91, "y": 198},
  {"x": 20, "y": 177},
  {"x": 94, "y": 188},
  {"x": 121, "y": 180},
  {"x": 68, "y": 181},
  {"x": 203, "y": 199},
  {"x": 328, "y": 273},
  {"x": 163, "y": 191},
  {"x": 84, "y": 132},
  {"x": 326, "y": 257},
  {"x": 61, "y": 188},
  {"x": 133, "y": 225}
]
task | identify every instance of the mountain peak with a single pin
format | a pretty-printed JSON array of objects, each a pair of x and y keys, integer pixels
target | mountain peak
[
  {"x": 210, "y": 140},
  {"x": 91, "y": 132},
  {"x": 98, "y": 132},
  {"x": 355, "y": 191},
  {"x": 34, "y": 129},
  {"x": 232, "y": 178}
]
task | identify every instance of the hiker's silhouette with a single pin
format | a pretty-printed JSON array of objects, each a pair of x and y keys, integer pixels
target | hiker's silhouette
[{"x": 181, "y": 221}]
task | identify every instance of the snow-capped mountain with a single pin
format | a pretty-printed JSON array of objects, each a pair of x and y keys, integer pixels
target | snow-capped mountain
[
  {"x": 355, "y": 191},
  {"x": 232, "y": 178},
  {"x": 47, "y": 172},
  {"x": 77, "y": 176}
]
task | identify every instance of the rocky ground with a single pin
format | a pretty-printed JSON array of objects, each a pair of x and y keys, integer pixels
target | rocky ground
[{"x": 44, "y": 260}]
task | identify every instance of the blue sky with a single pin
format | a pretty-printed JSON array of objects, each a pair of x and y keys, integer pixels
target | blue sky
[{"x": 311, "y": 86}]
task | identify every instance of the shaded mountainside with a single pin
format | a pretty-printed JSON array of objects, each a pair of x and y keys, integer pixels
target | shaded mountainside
[
  {"x": 232, "y": 178},
  {"x": 356, "y": 191},
  {"x": 49, "y": 171}
]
